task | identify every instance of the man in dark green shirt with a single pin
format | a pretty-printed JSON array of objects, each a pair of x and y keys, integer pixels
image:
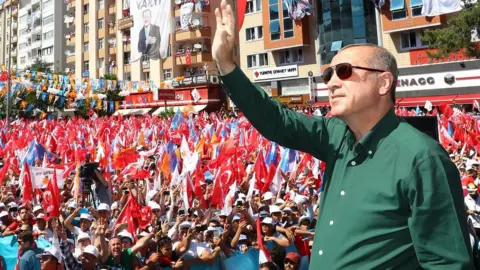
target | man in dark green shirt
[{"x": 392, "y": 198}]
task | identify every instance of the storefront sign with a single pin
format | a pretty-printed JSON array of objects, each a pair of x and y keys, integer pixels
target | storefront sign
[
  {"x": 125, "y": 23},
  {"x": 420, "y": 57},
  {"x": 166, "y": 94},
  {"x": 275, "y": 73},
  {"x": 410, "y": 82}
]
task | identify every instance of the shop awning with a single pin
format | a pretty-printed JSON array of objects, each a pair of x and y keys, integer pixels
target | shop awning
[
  {"x": 197, "y": 108},
  {"x": 437, "y": 100},
  {"x": 321, "y": 103},
  {"x": 140, "y": 111}
]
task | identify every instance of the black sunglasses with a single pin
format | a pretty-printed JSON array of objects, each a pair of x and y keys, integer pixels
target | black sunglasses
[
  {"x": 344, "y": 71},
  {"x": 289, "y": 262}
]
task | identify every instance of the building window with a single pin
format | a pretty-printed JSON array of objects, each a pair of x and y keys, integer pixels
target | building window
[
  {"x": 85, "y": 46},
  {"x": 146, "y": 76},
  {"x": 290, "y": 56},
  {"x": 169, "y": 50},
  {"x": 47, "y": 3},
  {"x": 254, "y": 33},
  {"x": 399, "y": 14},
  {"x": 253, "y": 6},
  {"x": 86, "y": 65},
  {"x": 274, "y": 20},
  {"x": 86, "y": 28},
  {"x": 257, "y": 60},
  {"x": 101, "y": 24},
  {"x": 85, "y": 9},
  {"x": 416, "y": 6},
  {"x": 101, "y": 62},
  {"x": 287, "y": 22},
  {"x": 411, "y": 40},
  {"x": 101, "y": 42},
  {"x": 167, "y": 74},
  {"x": 101, "y": 4},
  {"x": 48, "y": 20},
  {"x": 47, "y": 51},
  {"x": 48, "y": 35},
  {"x": 22, "y": 60}
]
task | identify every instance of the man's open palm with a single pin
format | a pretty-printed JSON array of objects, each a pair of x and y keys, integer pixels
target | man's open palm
[{"x": 224, "y": 40}]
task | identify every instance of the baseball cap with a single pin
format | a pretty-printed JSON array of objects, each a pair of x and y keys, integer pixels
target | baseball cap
[
  {"x": 37, "y": 208},
  {"x": 468, "y": 168},
  {"x": 154, "y": 205},
  {"x": 51, "y": 251},
  {"x": 267, "y": 196},
  {"x": 302, "y": 218},
  {"x": 242, "y": 237},
  {"x": 275, "y": 209},
  {"x": 91, "y": 250},
  {"x": 83, "y": 236},
  {"x": 3, "y": 214},
  {"x": 267, "y": 220},
  {"x": 114, "y": 206},
  {"x": 86, "y": 216},
  {"x": 42, "y": 216},
  {"x": 287, "y": 209},
  {"x": 2, "y": 205},
  {"x": 72, "y": 204},
  {"x": 185, "y": 224},
  {"x": 125, "y": 234},
  {"x": 236, "y": 217},
  {"x": 279, "y": 201},
  {"x": 103, "y": 207},
  {"x": 293, "y": 256}
]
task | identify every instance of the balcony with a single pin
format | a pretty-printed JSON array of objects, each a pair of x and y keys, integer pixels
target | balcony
[
  {"x": 36, "y": 43},
  {"x": 196, "y": 58},
  {"x": 205, "y": 32},
  {"x": 71, "y": 5},
  {"x": 71, "y": 41},
  {"x": 15, "y": 25},
  {"x": 70, "y": 59},
  {"x": 112, "y": 30},
  {"x": 126, "y": 47},
  {"x": 15, "y": 12},
  {"x": 205, "y": 9},
  {"x": 112, "y": 50},
  {"x": 14, "y": 39},
  {"x": 14, "y": 53},
  {"x": 112, "y": 9},
  {"x": 85, "y": 18},
  {"x": 127, "y": 68}
]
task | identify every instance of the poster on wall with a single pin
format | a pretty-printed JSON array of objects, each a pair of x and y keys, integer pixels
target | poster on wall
[{"x": 151, "y": 28}]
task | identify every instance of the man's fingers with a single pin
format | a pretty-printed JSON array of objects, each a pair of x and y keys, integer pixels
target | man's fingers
[
  {"x": 218, "y": 17},
  {"x": 230, "y": 19},
  {"x": 223, "y": 8}
]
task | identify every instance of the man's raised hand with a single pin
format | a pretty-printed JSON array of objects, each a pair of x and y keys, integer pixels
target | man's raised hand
[{"x": 224, "y": 40}]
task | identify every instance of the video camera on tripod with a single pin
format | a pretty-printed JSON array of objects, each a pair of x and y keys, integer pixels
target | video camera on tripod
[{"x": 87, "y": 178}]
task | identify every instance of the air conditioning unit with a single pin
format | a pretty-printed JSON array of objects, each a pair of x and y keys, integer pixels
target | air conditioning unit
[
  {"x": 214, "y": 79},
  {"x": 67, "y": 70}
]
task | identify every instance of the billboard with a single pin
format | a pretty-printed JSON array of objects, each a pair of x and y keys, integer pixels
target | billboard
[{"x": 151, "y": 28}]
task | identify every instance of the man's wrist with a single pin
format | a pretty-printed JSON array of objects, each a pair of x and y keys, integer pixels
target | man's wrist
[{"x": 226, "y": 68}]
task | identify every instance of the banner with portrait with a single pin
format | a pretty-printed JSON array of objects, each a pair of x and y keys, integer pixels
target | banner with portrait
[{"x": 151, "y": 29}]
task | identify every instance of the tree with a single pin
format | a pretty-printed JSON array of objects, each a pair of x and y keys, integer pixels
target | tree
[
  {"x": 40, "y": 65},
  {"x": 457, "y": 35}
]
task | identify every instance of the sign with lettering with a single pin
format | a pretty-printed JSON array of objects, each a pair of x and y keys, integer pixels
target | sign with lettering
[
  {"x": 420, "y": 57},
  {"x": 275, "y": 73},
  {"x": 166, "y": 94},
  {"x": 125, "y": 23},
  {"x": 410, "y": 82}
]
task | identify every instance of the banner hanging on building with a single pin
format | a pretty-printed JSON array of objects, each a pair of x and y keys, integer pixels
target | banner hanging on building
[{"x": 151, "y": 28}]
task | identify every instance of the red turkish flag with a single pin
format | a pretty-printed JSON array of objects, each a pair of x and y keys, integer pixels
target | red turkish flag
[
  {"x": 135, "y": 215},
  {"x": 188, "y": 58},
  {"x": 241, "y": 8},
  {"x": 51, "y": 197},
  {"x": 27, "y": 185}
]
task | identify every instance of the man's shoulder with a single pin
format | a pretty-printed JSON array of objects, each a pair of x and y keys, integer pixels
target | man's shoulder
[{"x": 413, "y": 142}]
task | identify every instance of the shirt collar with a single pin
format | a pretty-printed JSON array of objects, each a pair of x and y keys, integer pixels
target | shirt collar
[{"x": 372, "y": 140}]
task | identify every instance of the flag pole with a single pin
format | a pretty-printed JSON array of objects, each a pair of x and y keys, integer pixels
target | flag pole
[{"x": 9, "y": 89}]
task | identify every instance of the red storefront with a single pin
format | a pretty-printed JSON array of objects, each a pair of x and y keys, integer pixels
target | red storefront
[{"x": 208, "y": 97}]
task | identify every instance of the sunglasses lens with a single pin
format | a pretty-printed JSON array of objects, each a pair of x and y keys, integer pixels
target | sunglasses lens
[
  {"x": 327, "y": 75},
  {"x": 344, "y": 71}
]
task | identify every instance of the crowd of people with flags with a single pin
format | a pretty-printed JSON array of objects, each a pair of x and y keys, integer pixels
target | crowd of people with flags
[{"x": 195, "y": 191}]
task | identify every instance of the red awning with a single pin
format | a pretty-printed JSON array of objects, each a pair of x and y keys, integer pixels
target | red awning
[
  {"x": 321, "y": 103},
  {"x": 437, "y": 100}
]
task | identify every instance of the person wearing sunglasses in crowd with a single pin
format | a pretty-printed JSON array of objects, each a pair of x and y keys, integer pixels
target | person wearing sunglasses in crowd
[
  {"x": 408, "y": 211},
  {"x": 28, "y": 252}
]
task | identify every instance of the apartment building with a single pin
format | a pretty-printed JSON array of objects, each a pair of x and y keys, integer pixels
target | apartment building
[
  {"x": 278, "y": 53},
  {"x": 41, "y": 33},
  {"x": 101, "y": 44},
  {"x": 9, "y": 42}
]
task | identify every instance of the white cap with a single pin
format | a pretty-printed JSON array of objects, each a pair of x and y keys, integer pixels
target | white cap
[
  {"x": 151, "y": 194},
  {"x": 12, "y": 205},
  {"x": 263, "y": 213},
  {"x": 103, "y": 207},
  {"x": 142, "y": 234},
  {"x": 125, "y": 234},
  {"x": 242, "y": 196},
  {"x": 222, "y": 213},
  {"x": 239, "y": 201},
  {"x": 242, "y": 237},
  {"x": 302, "y": 218},
  {"x": 267, "y": 220},
  {"x": 86, "y": 216},
  {"x": 41, "y": 216},
  {"x": 236, "y": 217},
  {"x": 279, "y": 201},
  {"x": 267, "y": 196},
  {"x": 72, "y": 204},
  {"x": 91, "y": 250},
  {"x": 51, "y": 251},
  {"x": 154, "y": 205},
  {"x": 274, "y": 209},
  {"x": 3, "y": 214},
  {"x": 287, "y": 209},
  {"x": 37, "y": 208},
  {"x": 2, "y": 205},
  {"x": 300, "y": 199},
  {"x": 185, "y": 224},
  {"x": 114, "y": 206},
  {"x": 83, "y": 236},
  {"x": 469, "y": 168}
]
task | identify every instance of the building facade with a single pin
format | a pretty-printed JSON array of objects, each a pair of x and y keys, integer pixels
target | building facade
[
  {"x": 9, "y": 35},
  {"x": 278, "y": 53},
  {"x": 41, "y": 34},
  {"x": 454, "y": 80}
]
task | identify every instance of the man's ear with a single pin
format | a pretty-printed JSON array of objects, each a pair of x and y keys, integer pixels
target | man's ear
[{"x": 386, "y": 81}]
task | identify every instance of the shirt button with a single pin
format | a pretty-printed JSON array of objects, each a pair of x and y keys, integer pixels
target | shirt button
[
  {"x": 320, "y": 252},
  {"x": 353, "y": 163},
  {"x": 370, "y": 152},
  {"x": 331, "y": 222},
  {"x": 342, "y": 192}
]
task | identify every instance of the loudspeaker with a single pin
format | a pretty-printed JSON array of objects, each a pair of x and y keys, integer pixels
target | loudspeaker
[{"x": 426, "y": 124}]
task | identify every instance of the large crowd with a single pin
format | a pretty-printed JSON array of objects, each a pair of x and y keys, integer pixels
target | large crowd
[{"x": 195, "y": 191}]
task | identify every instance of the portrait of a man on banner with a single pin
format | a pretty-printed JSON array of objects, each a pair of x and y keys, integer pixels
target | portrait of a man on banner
[{"x": 151, "y": 28}]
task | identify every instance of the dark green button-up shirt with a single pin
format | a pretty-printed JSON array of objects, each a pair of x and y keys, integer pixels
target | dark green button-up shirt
[{"x": 392, "y": 200}]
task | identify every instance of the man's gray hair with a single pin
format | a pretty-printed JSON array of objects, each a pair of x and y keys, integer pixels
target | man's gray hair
[
  {"x": 383, "y": 60},
  {"x": 147, "y": 11}
]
